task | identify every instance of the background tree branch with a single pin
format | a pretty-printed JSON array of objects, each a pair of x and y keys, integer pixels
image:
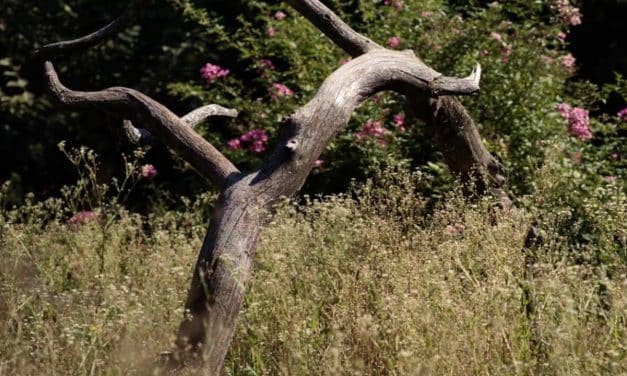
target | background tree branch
[{"x": 157, "y": 119}]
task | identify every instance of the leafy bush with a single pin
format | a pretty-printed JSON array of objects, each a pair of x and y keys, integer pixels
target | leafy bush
[{"x": 276, "y": 61}]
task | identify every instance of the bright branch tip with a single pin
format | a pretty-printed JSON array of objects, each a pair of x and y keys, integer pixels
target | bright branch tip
[{"x": 475, "y": 75}]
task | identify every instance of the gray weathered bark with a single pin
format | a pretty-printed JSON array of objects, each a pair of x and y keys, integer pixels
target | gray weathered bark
[{"x": 224, "y": 265}]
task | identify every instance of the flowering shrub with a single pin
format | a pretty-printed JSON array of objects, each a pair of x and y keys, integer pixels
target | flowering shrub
[{"x": 265, "y": 61}]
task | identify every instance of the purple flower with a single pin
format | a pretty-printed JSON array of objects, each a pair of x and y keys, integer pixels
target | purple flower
[
  {"x": 622, "y": 114},
  {"x": 148, "y": 171},
  {"x": 280, "y": 90},
  {"x": 578, "y": 121},
  {"x": 211, "y": 72},
  {"x": 568, "y": 60},
  {"x": 82, "y": 217},
  {"x": 258, "y": 146},
  {"x": 280, "y": 15},
  {"x": 394, "y": 42},
  {"x": 234, "y": 144},
  {"x": 256, "y": 139}
]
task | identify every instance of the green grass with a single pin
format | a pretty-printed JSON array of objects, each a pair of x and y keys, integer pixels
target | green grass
[{"x": 380, "y": 282}]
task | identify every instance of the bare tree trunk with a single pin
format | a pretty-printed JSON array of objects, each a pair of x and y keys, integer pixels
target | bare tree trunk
[{"x": 225, "y": 262}]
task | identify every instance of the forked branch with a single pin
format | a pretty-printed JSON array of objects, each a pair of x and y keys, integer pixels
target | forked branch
[
  {"x": 141, "y": 136},
  {"x": 160, "y": 121}
]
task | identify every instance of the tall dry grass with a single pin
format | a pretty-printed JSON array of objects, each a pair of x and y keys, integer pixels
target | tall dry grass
[{"x": 379, "y": 282}]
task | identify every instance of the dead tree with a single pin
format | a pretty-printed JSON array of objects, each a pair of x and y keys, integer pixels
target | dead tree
[{"x": 225, "y": 262}]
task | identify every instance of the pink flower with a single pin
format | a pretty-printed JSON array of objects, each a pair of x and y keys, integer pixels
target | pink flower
[
  {"x": 211, "y": 72},
  {"x": 399, "y": 121},
  {"x": 568, "y": 60},
  {"x": 234, "y": 144},
  {"x": 564, "y": 110},
  {"x": 271, "y": 31},
  {"x": 622, "y": 114},
  {"x": 484, "y": 53},
  {"x": 562, "y": 36},
  {"x": 148, "y": 171},
  {"x": 575, "y": 18},
  {"x": 256, "y": 139},
  {"x": 578, "y": 121},
  {"x": 258, "y": 146},
  {"x": 82, "y": 217},
  {"x": 373, "y": 129},
  {"x": 280, "y": 15},
  {"x": 496, "y": 36},
  {"x": 394, "y": 42},
  {"x": 319, "y": 163},
  {"x": 615, "y": 156},
  {"x": 425, "y": 13},
  {"x": 280, "y": 90}
]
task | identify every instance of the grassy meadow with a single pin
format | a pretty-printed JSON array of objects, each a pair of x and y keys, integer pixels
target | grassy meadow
[{"x": 378, "y": 282}]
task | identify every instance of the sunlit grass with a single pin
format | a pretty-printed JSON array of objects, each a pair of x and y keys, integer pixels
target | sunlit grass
[{"x": 377, "y": 282}]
